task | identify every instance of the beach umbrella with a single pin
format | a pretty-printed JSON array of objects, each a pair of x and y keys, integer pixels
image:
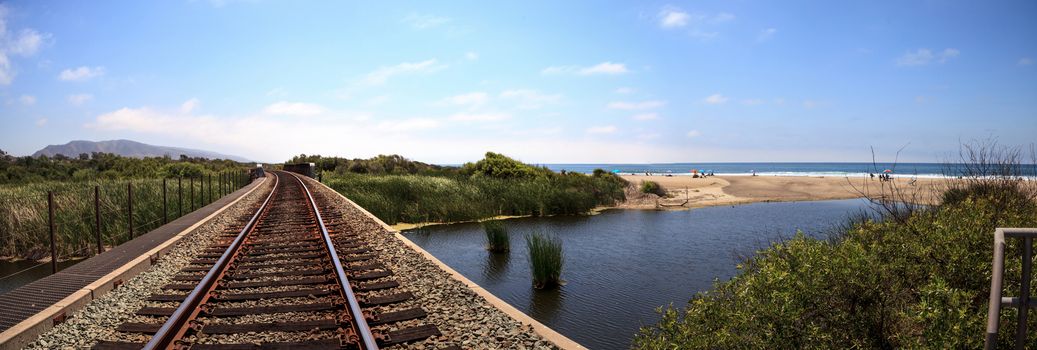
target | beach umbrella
[
  {"x": 694, "y": 171},
  {"x": 615, "y": 171},
  {"x": 887, "y": 171}
]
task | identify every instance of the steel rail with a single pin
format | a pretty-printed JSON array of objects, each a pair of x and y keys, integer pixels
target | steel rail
[
  {"x": 367, "y": 338},
  {"x": 176, "y": 325}
]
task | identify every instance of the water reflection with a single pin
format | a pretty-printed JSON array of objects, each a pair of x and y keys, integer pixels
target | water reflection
[
  {"x": 496, "y": 266},
  {"x": 544, "y": 304},
  {"x": 623, "y": 264}
]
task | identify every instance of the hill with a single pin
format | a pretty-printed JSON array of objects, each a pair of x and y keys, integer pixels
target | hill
[{"x": 128, "y": 148}]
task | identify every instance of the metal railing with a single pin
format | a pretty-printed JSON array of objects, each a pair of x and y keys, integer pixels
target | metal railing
[
  {"x": 1023, "y": 301},
  {"x": 209, "y": 189}
]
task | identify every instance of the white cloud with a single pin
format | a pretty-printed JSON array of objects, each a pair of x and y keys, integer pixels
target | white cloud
[
  {"x": 609, "y": 68},
  {"x": 382, "y": 75},
  {"x": 715, "y": 99},
  {"x": 766, "y": 34},
  {"x": 293, "y": 108},
  {"x": 189, "y": 105},
  {"x": 624, "y": 90},
  {"x": 925, "y": 56},
  {"x": 41, "y": 122},
  {"x": 81, "y": 74},
  {"x": 478, "y": 117},
  {"x": 645, "y": 116},
  {"x": 79, "y": 99},
  {"x": 424, "y": 21},
  {"x": 703, "y": 35},
  {"x": 672, "y": 17},
  {"x": 694, "y": 133},
  {"x": 605, "y": 68},
  {"x": 471, "y": 99},
  {"x": 948, "y": 54},
  {"x": 651, "y": 104},
  {"x": 6, "y": 75},
  {"x": 471, "y": 55},
  {"x": 1025, "y": 61},
  {"x": 529, "y": 99},
  {"x": 604, "y": 129},
  {"x": 27, "y": 100},
  {"x": 370, "y": 135},
  {"x": 723, "y": 17},
  {"x": 25, "y": 43}
]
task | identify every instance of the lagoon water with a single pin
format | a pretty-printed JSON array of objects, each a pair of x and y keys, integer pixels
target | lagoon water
[{"x": 621, "y": 265}]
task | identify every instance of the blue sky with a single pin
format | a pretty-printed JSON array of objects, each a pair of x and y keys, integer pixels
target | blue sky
[{"x": 546, "y": 82}]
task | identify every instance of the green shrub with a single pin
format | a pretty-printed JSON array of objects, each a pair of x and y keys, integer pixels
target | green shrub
[
  {"x": 496, "y": 236},
  {"x": 545, "y": 259},
  {"x": 653, "y": 188}
]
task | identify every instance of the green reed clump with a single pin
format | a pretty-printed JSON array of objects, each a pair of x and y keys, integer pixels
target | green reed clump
[
  {"x": 496, "y": 236},
  {"x": 545, "y": 259}
]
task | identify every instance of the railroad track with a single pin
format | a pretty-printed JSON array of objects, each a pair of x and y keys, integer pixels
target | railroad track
[{"x": 291, "y": 276}]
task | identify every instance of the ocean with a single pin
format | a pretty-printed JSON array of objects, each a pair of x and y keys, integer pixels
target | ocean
[{"x": 921, "y": 170}]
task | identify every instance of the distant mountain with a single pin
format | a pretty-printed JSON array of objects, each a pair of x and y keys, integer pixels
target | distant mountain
[{"x": 128, "y": 148}]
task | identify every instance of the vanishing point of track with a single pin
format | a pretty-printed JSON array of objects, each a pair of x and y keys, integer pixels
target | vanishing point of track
[{"x": 285, "y": 278}]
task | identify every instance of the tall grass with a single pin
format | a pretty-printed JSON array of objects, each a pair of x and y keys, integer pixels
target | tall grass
[
  {"x": 417, "y": 198},
  {"x": 545, "y": 259},
  {"x": 24, "y": 230},
  {"x": 496, "y": 236}
]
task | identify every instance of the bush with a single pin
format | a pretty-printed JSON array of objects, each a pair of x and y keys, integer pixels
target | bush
[
  {"x": 653, "y": 188},
  {"x": 545, "y": 259},
  {"x": 496, "y": 236}
]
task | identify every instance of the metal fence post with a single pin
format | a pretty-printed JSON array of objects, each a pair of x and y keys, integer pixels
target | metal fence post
[
  {"x": 129, "y": 205},
  {"x": 97, "y": 218},
  {"x": 179, "y": 196},
  {"x": 192, "y": 193},
  {"x": 50, "y": 220},
  {"x": 165, "y": 213},
  {"x": 210, "y": 188},
  {"x": 1024, "y": 294}
]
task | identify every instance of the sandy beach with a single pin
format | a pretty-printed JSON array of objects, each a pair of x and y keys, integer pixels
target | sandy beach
[{"x": 689, "y": 192}]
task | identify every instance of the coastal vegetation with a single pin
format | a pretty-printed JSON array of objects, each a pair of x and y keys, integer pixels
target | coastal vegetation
[
  {"x": 496, "y": 236},
  {"x": 545, "y": 259},
  {"x": 25, "y": 181},
  {"x": 652, "y": 187},
  {"x": 397, "y": 190},
  {"x": 917, "y": 277}
]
